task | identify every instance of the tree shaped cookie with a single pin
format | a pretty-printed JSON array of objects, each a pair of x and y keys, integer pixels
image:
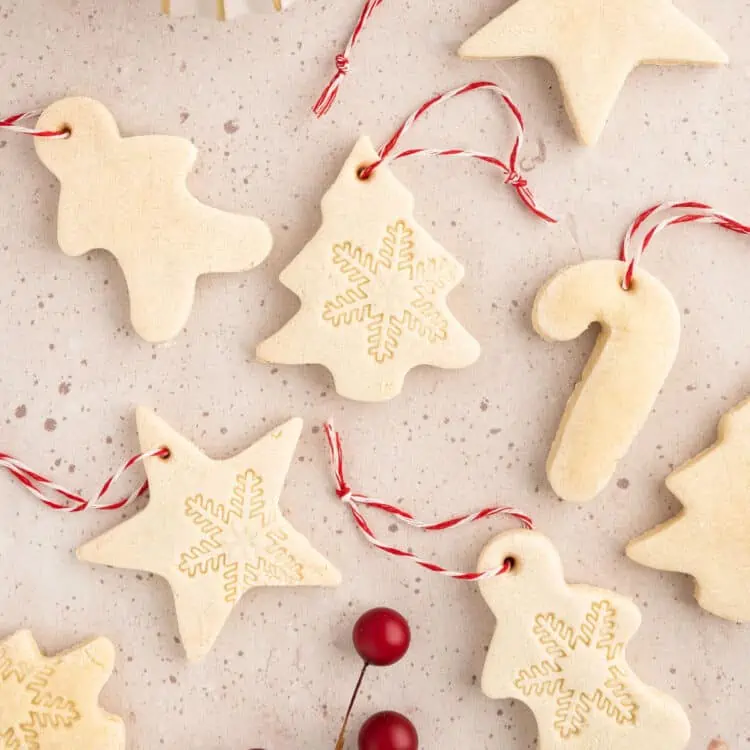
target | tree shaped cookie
[
  {"x": 129, "y": 196},
  {"x": 710, "y": 539},
  {"x": 634, "y": 354},
  {"x": 373, "y": 286},
  {"x": 52, "y": 702},
  {"x": 213, "y": 529},
  {"x": 560, "y": 649},
  {"x": 593, "y": 46}
]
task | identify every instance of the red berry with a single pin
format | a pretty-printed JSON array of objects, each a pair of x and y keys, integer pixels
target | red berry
[
  {"x": 381, "y": 637},
  {"x": 388, "y": 731}
]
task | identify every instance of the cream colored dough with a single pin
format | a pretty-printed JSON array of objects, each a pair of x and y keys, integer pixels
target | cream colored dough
[
  {"x": 634, "y": 353},
  {"x": 560, "y": 649},
  {"x": 593, "y": 46},
  {"x": 51, "y": 703},
  {"x": 710, "y": 539},
  {"x": 129, "y": 196},
  {"x": 373, "y": 286},
  {"x": 213, "y": 529}
]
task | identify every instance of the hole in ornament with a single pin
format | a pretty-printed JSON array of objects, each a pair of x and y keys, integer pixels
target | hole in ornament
[
  {"x": 511, "y": 564},
  {"x": 66, "y": 131},
  {"x": 624, "y": 284},
  {"x": 363, "y": 173},
  {"x": 165, "y": 454}
]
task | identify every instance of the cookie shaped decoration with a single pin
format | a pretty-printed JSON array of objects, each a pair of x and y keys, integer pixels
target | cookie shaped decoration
[
  {"x": 213, "y": 529},
  {"x": 710, "y": 539},
  {"x": 221, "y": 10},
  {"x": 634, "y": 354},
  {"x": 560, "y": 649},
  {"x": 593, "y": 47},
  {"x": 129, "y": 196},
  {"x": 52, "y": 702},
  {"x": 373, "y": 286}
]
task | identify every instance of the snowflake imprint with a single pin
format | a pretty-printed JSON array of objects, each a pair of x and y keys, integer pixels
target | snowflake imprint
[
  {"x": 241, "y": 541},
  {"x": 391, "y": 293},
  {"x": 590, "y": 654}
]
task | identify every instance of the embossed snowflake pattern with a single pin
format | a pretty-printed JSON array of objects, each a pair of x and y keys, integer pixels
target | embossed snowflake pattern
[
  {"x": 590, "y": 653},
  {"x": 241, "y": 541},
  {"x": 391, "y": 293},
  {"x": 37, "y": 711}
]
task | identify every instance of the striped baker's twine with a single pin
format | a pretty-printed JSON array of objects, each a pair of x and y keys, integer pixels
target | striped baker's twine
[
  {"x": 343, "y": 64},
  {"x": 513, "y": 177},
  {"x": 72, "y": 502},
  {"x": 355, "y": 501},
  {"x": 12, "y": 124},
  {"x": 679, "y": 212}
]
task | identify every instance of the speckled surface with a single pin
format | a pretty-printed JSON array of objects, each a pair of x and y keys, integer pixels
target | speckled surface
[{"x": 72, "y": 370}]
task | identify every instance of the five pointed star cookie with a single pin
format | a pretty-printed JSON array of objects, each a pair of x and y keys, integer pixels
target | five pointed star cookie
[
  {"x": 213, "y": 529},
  {"x": 593, "y": 46},
  {"x": 374, "y": 288},
  {"x": 710, "y": 539},
  {"x": 129, "y": 196},
  {"x": 52, "y": 702}
]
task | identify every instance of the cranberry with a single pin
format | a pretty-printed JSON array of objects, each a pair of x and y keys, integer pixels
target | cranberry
[
  {"x": 388, "y": 730},
  {"x": 382, "y": 637}
]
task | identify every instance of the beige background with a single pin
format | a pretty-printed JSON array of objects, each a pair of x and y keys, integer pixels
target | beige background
[{"x": 72, "y": 369}]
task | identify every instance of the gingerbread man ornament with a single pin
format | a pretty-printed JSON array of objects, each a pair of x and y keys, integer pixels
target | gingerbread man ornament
[{"x": 129, "y": 196}]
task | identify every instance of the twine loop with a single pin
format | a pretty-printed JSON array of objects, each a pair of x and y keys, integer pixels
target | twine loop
[{"x": 357, "y": 502}]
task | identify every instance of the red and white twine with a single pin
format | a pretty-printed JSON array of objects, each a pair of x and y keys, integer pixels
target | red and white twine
[
  {"x": 72, "y": 502},
  {"x": 681, "y": 212},
  {"x": 12, "y": 124},
  {"x": 388, "y": 153},
  {"x": 343, "y": 64},
  {"x": 355, "y": 501}
]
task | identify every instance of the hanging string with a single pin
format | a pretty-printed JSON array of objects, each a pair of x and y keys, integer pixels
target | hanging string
[
  {"x": 12, "y": 124},
  {"x": 343, "y": 65},
  {"x": 682, "y": 212},
  {"x": 71, "y": 502},
  {"x": 389, "y": 154},
  {"x": 355, "y": 501}
]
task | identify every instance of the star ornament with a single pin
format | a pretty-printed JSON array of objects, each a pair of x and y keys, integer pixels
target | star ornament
[
  {"x": 213, "y": 529},
  {"x": 52, "y": 702},
  {"x": 710, "y": 538},
  {"x": 593, "y": 46}
]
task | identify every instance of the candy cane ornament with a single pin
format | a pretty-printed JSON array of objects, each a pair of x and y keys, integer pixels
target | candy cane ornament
[
  {"x": 356, "y": 501},
  {"x": 633, "y": 356}
]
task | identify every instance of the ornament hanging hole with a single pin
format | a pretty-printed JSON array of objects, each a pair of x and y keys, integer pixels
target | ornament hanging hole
[
  {"x": 65, "y": 131},
  {"x": 511, "y": 565},
  {"x": 165, "y": 454},
  {"x": 365, "y": 172}
]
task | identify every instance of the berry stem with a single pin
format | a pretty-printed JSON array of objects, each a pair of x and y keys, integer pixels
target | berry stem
[{"x": 340, "y": 742}]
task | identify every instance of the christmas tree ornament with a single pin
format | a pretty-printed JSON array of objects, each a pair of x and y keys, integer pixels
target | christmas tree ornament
[
  {"x": 357, "y": 502},
  {"x": 713, "y": 488},
  {"x": 593, "y": 47},
  {"x": 129, "y": 196},
  {"x": 634, "y": 353},
  {"x": 213, "y": 529},
  {"x": 381, "y": 637},
  {"x": 52, "y": 702},
  {"x": 560, "y": 649},
  {"x": 221, "y": 10},
  {"x": 373, "y": 284}
]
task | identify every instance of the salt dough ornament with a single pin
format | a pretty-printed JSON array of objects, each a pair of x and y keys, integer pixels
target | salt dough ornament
[
  {"x": 213, "y": 529},
  {"x": 52, "y": 702},
  {"x": 128, "y": 196},
  {"x": 560, "y": 649},
  {"x": 593, "y": 46},
  {"x": 373, "y": 286},
  {"x": 710, "y": 539},
  {"x": 634, "y": 354}
]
